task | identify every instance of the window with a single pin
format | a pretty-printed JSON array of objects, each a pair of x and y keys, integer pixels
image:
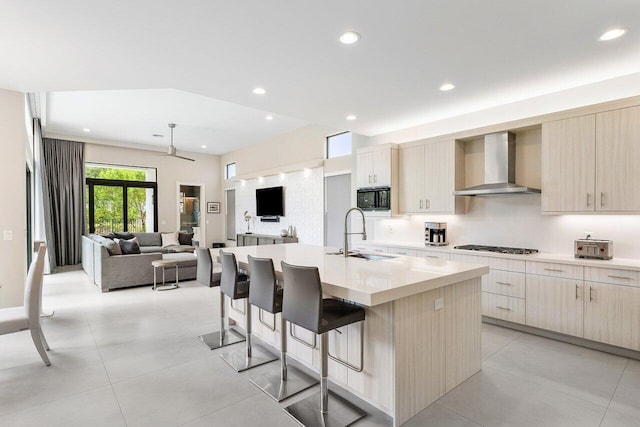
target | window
[
  {"x": 120, "y": 198},
  {"x": 230, "y": 171},
  {"x": 339, "y": 145}
]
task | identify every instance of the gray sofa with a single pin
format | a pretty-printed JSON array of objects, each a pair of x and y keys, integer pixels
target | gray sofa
[{"x": 120, "y": 271}]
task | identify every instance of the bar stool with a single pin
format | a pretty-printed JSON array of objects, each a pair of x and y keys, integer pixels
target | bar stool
[
  {"x": 304, "y": 306},
  {"x": 208, "y": 273},
  {"x": 233, "y": 288},
  {"x": 266, "y": 296},
  {"x": 230, "y": 275}
]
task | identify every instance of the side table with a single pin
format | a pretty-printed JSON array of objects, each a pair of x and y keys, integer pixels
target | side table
[{"x": 163, "y": 263}]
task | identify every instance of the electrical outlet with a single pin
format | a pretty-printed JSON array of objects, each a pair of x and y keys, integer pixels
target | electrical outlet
[
  {"x": 438, "y": 304},
  {"x": 8, "y": 235}
]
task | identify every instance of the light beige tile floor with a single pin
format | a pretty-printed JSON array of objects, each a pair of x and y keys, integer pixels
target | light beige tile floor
[{"x": 131, "y": 358}]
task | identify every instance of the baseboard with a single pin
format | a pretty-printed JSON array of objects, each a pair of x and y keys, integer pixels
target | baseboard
[{"x": 582, "y": 342}]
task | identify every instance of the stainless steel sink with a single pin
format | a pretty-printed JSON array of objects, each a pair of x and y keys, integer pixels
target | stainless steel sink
[{"x": 371, "y": 257}]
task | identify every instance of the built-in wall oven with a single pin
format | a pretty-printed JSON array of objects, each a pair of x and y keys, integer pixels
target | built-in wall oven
[{"x": 374, "y": 199}]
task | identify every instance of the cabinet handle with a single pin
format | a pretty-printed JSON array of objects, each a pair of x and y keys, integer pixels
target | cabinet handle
[
  {"x": 375, "y": 178},
  {"x": 401, "y": 253},
  {"x": 420, "y": 203},
  {"x": 430, "y": 256},
  {"x": 588, "y": 199},
  {"x": 620, "y": 277},
  {"x": 427, "y": 205},
  {"x": 554, "y": 269},
  {"x": 503, "y": 308},
  {"x": 590, "y": 294},
  {"x": 369, "y": 179},
  {"x": 576, "y": 291},
  {"x": 504, "y": 283},
  {"x": 601, "y": 199}
]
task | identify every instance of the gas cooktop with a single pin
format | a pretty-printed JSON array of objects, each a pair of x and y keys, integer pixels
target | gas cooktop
[{"x": 498, "y": 249}]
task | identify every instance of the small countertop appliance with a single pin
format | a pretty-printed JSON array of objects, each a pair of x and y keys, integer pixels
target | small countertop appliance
[
  {"x": 435, "y": 234},
  {"x": 593, "y": 248}
]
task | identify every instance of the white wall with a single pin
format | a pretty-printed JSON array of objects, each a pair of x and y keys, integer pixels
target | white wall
[
  {"x": 13, "y": 138},
  {"x": 205, "y": 170},
  {"x": 304, "y": 205},
  {"x": 517, "y": 221}
]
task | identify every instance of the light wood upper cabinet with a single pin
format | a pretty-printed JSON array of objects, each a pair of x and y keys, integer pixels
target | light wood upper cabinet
[
  {"x": 568, "y": 165},
  {"x": 555, "y": 304},
  {"x": 375, "y": 166},
  {"x": 428, "y": 177},
  {"x": 612, "y": 314},
  {"x": 618, "y": 156},
  {"x": 412, "y": 179},
  {"x": 590, "y": 163}
]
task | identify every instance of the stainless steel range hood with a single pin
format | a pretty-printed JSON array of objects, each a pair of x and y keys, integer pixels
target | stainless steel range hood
[{"x": 499, "y": 168}]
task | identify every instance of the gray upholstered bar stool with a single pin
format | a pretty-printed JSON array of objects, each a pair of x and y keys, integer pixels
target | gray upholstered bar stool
[
  {"x": 230, "y": 275},
  {"x": 208, "y": 273},
  {"x": 304, "y": 306},
  {"x": 252, "y": 356},
  {"x": 266, "y": 295}
]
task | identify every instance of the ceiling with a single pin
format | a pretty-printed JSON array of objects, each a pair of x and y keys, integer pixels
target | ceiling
[{"x": 495, "y": 52}]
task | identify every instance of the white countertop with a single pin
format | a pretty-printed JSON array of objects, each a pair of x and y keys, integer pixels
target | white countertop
[
  {"x": 621, "y": 263},
  {"x": 366, "y": 282}
]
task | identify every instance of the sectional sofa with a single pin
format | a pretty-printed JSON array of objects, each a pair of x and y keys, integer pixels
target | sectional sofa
[{"x": 120, "y": 271}]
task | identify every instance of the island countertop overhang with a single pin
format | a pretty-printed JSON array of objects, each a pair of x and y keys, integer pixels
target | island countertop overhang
[{"x": 366, "y": 282}]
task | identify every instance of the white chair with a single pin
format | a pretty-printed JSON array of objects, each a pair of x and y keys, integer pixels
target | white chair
[{"x": 16, "y": 319}]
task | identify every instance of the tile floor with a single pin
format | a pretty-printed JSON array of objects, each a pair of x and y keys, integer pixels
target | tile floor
[{"x": 131, "y": 358}]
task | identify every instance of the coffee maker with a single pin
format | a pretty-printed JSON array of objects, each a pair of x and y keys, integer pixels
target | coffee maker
[{"x": 435, "y": 234}]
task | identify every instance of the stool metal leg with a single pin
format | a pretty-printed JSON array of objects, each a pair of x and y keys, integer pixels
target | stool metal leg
[
  {"x": 250, "y": 357},
  {"x": 287, "y": 382},
  {"x": 314, "y": 410},
  {"x": 224, "y": 337}
]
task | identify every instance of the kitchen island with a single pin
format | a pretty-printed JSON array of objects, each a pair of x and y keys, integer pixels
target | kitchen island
[{"x": 422, "y": 333}]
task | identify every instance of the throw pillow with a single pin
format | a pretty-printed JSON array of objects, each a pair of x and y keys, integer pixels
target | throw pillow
[
  {"x": 185, "y": 238},
  {"x": 169, "y": 239},
  {"x": 112, "y": 246},
  {"x": 109, "y": 236},
  {"x": 130, "y": 246},
  {"x": 124, "y": 235}
]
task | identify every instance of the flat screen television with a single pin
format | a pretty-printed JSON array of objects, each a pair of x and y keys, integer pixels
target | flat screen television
[{"x": 270, "y": 201}]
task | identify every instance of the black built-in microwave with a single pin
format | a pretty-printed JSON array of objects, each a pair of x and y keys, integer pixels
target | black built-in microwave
[{"x": 374, "y": 199}]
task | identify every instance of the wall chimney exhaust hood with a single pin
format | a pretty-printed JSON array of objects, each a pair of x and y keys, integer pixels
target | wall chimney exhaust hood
[{"x": 499, "y": 168}]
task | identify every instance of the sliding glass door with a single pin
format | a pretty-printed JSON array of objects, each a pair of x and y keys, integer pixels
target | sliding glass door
[{"x": 115, "y": 205}]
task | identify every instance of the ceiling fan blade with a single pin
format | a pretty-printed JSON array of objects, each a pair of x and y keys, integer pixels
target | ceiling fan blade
[{"x": 184, "y": 158}]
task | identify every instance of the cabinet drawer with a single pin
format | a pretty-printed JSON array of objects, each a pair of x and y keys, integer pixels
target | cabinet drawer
[
  {"x": 432, "y": 254},
  {"x": 611, "y": 275},
  {"x": 265, "y": 241},
  {"x": 565, "y": 271},
  {"x": 507, "y": 264},
  {"x": 402, "y": 251},
  {"x": 502, "y": 307},
  {"x": 504, "y": 283}
]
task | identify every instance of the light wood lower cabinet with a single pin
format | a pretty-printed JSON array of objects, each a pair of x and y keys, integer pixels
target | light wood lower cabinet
[
  {"x": 555, "y": 304},
  {"x": 503, "y": 307},
  {"x": 612, "y": 314}
]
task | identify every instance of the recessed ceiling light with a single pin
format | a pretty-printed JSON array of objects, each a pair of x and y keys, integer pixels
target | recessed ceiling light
[
  {"x": 203, "y": 146},
  {"x": 269, "y": 117},
  {"x": 350, "y": 37},
  {"x": 447, "y": 87},
  {"x": 86, "y": 130},
  {"x": 351, "y": 117},
  {"x": 613, "y": 33},
  {"x": 259, "y": 91}
]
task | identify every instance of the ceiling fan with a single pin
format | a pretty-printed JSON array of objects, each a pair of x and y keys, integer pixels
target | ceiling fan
[{"x": 172, "y": 149}]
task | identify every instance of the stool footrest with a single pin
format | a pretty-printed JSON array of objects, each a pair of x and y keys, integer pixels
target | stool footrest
[{"x": 341, "y": 412}]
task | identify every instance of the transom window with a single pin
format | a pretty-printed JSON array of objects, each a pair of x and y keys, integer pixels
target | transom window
[
  {"x": 230, "y": 171},
  {"x": 339, "y": 145}
]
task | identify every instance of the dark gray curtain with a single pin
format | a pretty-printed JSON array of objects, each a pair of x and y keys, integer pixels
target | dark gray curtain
[{"x": 63, "y": 199}]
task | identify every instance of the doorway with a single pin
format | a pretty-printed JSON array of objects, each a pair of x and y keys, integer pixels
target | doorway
[
  {"x": 337, "y": 202},
  {"x": 230, "y": 219},
  {"x": 191, "y": 210}
]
